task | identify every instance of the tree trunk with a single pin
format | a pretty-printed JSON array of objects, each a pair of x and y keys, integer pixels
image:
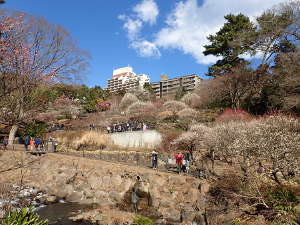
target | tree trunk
[
  {"x": 12, "y": 134},
  {"x": 276, "y": 177}
]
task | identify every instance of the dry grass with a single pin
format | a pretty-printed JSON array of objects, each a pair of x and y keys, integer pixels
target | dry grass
[{"x": 78, "y": 139}]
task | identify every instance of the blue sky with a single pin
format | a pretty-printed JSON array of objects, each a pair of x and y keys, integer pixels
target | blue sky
[{"x": 155, "y": 37}]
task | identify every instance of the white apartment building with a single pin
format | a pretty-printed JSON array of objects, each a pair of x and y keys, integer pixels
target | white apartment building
[{"x": 125, "y": 78}]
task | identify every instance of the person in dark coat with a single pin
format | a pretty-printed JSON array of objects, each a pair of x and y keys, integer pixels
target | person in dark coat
[
  {"x": 154, "y": 158},
  {"x": 26, "y": 142},
  {"x": 135, "y": 195}
]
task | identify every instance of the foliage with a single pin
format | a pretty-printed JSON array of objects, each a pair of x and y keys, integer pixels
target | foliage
[
  {"x": 273, "y": 139},
  {"x": 188, "y": 114},
  {"x": 68, "y": 107},
  {"x": 140, "y": 107},
  {"x": 191, "y": 99},
  {"x": 142, "y": 220},
  {"x": 168, "y": 136},
  {"x": 281, "y": 198},
  {"x": 128, "y": 100},
  {"x": 167, "y": 115},
  {"x": 180, "y": 93},
  {"x": 233, "y": 115},
  {"x": 278, "y": 31},
  {"x": 286, "y": 72},
  {"x": 34, "y": 53},
  {"x": 221, "y": 44},
  {"x": 174, "y": 106},
  {"x": 103, "y": 105},
  {"x": 35, "y": 129},
  {"x": 192, "y": 139},
  {"x": 25, "y": 216},
  {"x": 272, "y": 83}
]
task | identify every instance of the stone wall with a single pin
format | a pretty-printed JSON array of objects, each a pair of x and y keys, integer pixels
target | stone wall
[{"x": 173, "y": 197}]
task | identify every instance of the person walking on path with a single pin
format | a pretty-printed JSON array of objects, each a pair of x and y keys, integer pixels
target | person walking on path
[
  {"x": 26, "y": 142},
  {"x": 134, "y": 194},
  {"x": 37, "y": 143},
  {"x": 187, "y": 158},
  {"x": 31, "y": 143},
  {"x": 5, "y": 142},
  {"x": 179, "y": 159},
  {"x": 108, "y": 129},
  {"x": 154, "y": 158},
  {"x": 144, "y": 127}
]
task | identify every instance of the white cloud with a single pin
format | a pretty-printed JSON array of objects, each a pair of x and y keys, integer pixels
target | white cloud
[
  {"x": 133, "y": 28},
  {"x": 144, "y": 13},
  {"x": 147, "y": 11},
  {"x": 189, "y": 24},
  {"x": 145, "y": 48}
]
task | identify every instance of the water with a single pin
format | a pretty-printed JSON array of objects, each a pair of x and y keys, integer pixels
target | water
[{"x": 59, "y": 213}]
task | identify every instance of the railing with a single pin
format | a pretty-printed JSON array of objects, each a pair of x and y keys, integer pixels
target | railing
[
  {"x": 139, "y": 159},
  {"x": 48, "y": 146}
]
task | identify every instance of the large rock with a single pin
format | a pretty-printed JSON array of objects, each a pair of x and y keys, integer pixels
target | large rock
[
  {"x": 177, "y": 180},
  {"x": 51, "y": 199},
  {"x": 101, "y": 195},
  {"x": 94, "y": 182},
  {"x": 75, "y": 196},
  {"x": 166, "y": 203},
  {"x": 170, "y": 214},
  {"x": 116, "y": 180},
  {"x": 63, "y": 191},
  {"x": 204, "y": 187},
  {"x": 115, "y": 196},
  {"x": 106, "y": 182}
]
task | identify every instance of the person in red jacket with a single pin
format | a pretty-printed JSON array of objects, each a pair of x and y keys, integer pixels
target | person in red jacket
[{"x": 179, "y": 159}]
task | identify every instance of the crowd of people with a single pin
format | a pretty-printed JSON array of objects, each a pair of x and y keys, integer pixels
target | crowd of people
[
  {"x": 182, "y": 161},
  {"x": 31, "y": 144},
  {"x": 129, "y": 126}
]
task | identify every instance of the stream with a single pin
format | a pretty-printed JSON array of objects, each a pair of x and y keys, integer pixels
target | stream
[
  {"x": 56, "y": 211},
  {"x": 59, "y": 213}
]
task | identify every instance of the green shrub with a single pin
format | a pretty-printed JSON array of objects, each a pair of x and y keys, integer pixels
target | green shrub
[
  {"x": 282, "y": 198},
  {"x": 142, "y": 220},
  {"x": 25, "y": 216},
  {"x": 36, "y": 129}
]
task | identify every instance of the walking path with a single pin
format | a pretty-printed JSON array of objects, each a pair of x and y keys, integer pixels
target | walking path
[{"x": 133, "y": 161}]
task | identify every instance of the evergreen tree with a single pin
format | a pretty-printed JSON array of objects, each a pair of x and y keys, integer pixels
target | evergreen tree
[{"x": 230, "y": 42}]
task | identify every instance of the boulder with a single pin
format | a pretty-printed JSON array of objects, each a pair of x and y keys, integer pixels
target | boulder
[
  {"x": 51, "y": 199},
  {"x": 170, "y": 214},
  {"x": 204, "y": 187},
  {"x": 75, "y": 196},
  {"x": 115, "y": 196},
  {"x": 188, "y": 215},
  {"x": 116, "y": 180},
  {"x": 177, "y": 180},
  {"x": 101, "y": 195},
  {"x": 106, "y": 182},
  {"x": 63, "y": 191},
  {"x": 94, "y": 182},
  {"x": 166, "y": 203}
]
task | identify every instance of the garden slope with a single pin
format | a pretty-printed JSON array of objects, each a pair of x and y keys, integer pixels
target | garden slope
[{"x": 173, "y": 197}]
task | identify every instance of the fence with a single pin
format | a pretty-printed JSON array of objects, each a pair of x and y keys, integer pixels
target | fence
[
  {"x": 48, "y": 146},
  {"x": 139, "y": 159},
  {"x": 128, "y": 158}
]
